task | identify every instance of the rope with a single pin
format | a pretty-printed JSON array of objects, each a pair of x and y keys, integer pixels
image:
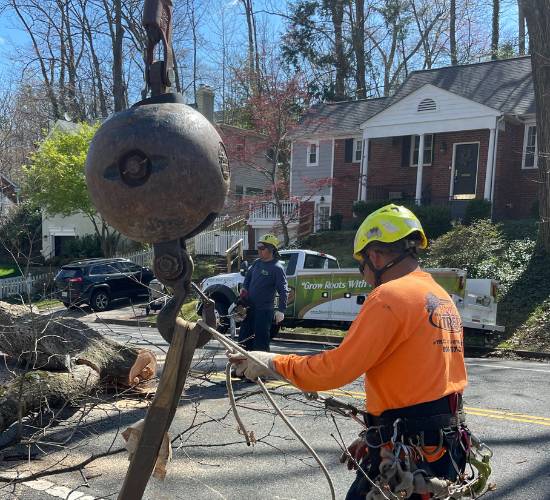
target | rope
[
  {"x": 299, "y": 436},
  {"x": 233, "y": 346}
]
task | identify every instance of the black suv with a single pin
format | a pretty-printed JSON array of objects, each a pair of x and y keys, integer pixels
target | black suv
[{"x": 97, "y": 282}]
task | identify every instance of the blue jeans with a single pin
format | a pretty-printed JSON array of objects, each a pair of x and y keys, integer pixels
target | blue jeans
[{"x": 254, "y": 334}]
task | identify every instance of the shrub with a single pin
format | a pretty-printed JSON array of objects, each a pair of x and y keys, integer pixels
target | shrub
[
  {"x": 363, "y": 208},
  {"x": 336, "y": 222},
  {"x": 21, "y": 236},
  {"x": 474, "y": 248},
  {"x": 436, "y": 220},
  {"x": 477, "y": 210}
]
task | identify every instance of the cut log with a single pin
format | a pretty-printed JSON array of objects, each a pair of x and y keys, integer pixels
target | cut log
[{"x": 64, "y": 358}]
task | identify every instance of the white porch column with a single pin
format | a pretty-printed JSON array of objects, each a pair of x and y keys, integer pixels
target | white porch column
[
  {"x": 418, "y": 194},
  {"x": 490, "y": 165},
  {"x": 363, "y": 170}
]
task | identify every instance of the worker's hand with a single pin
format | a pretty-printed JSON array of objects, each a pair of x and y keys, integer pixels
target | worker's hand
[
  {"x": 358, "y": 450},
  {"x": 251, "y": 370},
  {"x": 279, "y": 316}
]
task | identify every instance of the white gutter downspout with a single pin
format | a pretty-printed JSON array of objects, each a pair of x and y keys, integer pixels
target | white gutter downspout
[{"x": 499, "y": 120}]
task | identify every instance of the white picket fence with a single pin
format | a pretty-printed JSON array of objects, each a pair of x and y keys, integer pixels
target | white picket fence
[{"x": 23, "y": 285}]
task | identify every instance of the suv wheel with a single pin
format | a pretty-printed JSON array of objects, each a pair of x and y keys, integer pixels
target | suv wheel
[{"x": 100, "y": 300}]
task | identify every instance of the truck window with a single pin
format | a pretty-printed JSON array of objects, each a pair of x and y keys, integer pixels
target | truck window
[
  {"x": 289, "y": 261},
  {"x": 332, "y": 264},
  {"x": 314, "y": 262}
]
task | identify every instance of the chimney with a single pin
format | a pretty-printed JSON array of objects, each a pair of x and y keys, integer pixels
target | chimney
[{"x": 205, "y": 101}]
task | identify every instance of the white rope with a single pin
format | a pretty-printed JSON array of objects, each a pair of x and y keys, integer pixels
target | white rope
[{"x": 233, "y": 346}]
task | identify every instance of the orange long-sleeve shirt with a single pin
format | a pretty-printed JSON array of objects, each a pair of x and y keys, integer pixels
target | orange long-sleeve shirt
[{"x": 407, "y": 340}]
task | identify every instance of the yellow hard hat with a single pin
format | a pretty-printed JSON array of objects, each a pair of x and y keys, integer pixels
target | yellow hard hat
[
  {"x": 269, "y": 239},
  {"x": 387, "y": 225}
]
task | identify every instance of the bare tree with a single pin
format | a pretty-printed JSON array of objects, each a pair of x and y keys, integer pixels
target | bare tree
[
  {"x": 537, "y": 15},
  {"x": 495, "y": 32},
  {"x": 452, "y": 32},
  {"x": 521, "y": 28}
]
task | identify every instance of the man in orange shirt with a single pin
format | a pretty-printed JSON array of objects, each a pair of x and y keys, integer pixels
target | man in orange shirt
[{"x": 408, "y": 343}]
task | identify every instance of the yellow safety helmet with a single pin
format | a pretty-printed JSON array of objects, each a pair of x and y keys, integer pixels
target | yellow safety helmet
[
  {"x": 269, "y": 239},
  {"x": 387, "y": 225}
]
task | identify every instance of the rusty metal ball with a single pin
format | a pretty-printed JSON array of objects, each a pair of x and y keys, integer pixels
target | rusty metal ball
[{"x": 157, "y": 172}]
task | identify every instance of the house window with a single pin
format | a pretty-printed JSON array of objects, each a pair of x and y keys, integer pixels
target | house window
[
  {"x": 428, "y": 149},
  {"x": 313, "y": 154},
  {"x": 239, "y": 191},
  {"x": 530, "y": 150},
  {"x": 251, "y": 191},
  {"x": 357, "y": 149}
]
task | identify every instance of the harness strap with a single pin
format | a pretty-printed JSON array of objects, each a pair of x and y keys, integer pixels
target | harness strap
[{"x": 443, "y": 413}]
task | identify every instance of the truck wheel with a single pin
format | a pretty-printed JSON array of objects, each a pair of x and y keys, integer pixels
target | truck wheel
[{"x": 100, "y": 301}]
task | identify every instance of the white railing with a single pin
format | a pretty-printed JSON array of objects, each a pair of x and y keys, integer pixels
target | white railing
[
  {"x": 269, "y": 211},
  {"x": 207, "y": 243},
  {"x": 23, "y": 285},
  {"x": 143, "y": 258},
  {"x": 217, "y": 242}
]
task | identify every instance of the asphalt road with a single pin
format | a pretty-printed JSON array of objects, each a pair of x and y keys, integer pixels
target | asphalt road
[{"x": 507, "y": 405}]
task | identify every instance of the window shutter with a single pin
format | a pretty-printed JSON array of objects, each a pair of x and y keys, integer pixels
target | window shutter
[
  {"x": 405, "y": 150},
  {"x": 369, "y": 148},
  {"x": 348, "y": 151}
]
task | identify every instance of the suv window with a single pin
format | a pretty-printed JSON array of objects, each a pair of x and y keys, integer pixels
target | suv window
[
  {"x": 128, "y": 267},
  {"x": 315, "y": 262},
  {"x": 66, "y": 273},
  {"x": 103, "y": 269}
]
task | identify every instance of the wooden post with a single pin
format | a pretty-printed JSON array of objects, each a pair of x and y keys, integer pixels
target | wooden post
[{"x": 162, "y": 410}]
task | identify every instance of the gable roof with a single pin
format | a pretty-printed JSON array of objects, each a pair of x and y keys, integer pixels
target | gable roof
[
  {"x": 8, "y": 188},
  {"x": 337, "y": 118},
  {"x": 505, "y": 85}
]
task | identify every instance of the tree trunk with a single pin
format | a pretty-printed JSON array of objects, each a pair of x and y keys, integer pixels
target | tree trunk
[
  {"x": 337, "y": 13},
  {"x": 64, "y": 359},
  {"x": 452, "y": 33},
  {"x": 359, "y": 49},
  {"x": 252, "y": 76},
  {"x": 537, "y": 15},
  {"x": 521, "y": 28},
  {"x": 495, "y": 31},
  {"x": 119, "y": 89}
]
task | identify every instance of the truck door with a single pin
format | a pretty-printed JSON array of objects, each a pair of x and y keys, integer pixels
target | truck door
[{"x": 289, "y": 262}]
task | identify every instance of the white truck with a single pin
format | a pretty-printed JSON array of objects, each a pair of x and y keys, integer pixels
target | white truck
[{"x": 322, "y": 293}]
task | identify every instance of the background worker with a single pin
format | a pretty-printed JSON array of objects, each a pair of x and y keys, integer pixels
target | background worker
[
  {"x": 265, "y": 277},
  {"x": 407, "y": 340}
]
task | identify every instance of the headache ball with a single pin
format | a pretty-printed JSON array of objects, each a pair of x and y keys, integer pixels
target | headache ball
[{"x": 157, "y": 172}]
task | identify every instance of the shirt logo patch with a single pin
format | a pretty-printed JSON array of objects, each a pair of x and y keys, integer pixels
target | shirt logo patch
[
  {"x": 264, "y": 272},
  {"x": 442, "y": 314}
]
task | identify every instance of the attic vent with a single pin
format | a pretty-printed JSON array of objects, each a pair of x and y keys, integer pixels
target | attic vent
[{"x": 426, "y": 105}]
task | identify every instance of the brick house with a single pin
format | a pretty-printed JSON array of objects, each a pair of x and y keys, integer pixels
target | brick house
[{"x": 471, "y": 129}]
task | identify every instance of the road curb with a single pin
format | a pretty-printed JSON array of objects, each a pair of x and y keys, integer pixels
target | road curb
[{"x": 469, "y": 350}]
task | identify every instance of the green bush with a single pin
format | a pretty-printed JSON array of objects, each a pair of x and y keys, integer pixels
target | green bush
[
  {"x": 363, "y": 208},
  {"x": 472, "y": 248},
  {"x": 21, "y": 236},
  {"x": 476, "y": 210},
  {"x": 336, "y": 222},
  {"x": 436, "y": 220},
  {"x": 84, "y": 247}
]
